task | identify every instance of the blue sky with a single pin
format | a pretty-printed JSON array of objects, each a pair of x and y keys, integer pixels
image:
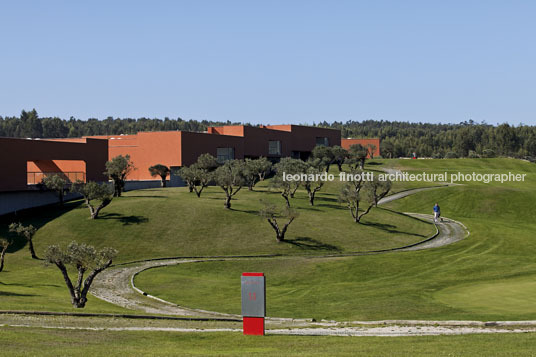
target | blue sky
[{"x": 271, "y": 61}]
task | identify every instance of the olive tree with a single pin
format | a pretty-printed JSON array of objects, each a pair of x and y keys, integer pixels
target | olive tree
[
  {"x": 323, "y": 156},
  {"x": 188, "y": 175},
  {"x": 56, "y": 183},
  {"x": 313, "y": 183},
  {"x": 207, "y": 162},
  {"x": 199, "y": 175},
  {"x": 117, "y": 169},
  {"x": 256, "y": 170},
  {"x": 358, "y": 154},
  {"x": 160, "y": 170},
  {"x": 4, "y": 244},
  {"x": 370, "y": 192},
  {"x": 84, "y": 258},
  {"x": 27, "y": 232},
  {"x": 281, "y": 182},
  {"x": 272, "y": 214},
  {"x": 340, "y": 155},
  {"x": 92, "y": 191},
  {"x": 230, "y": 177},
  {"x": 201, "y": 178}
]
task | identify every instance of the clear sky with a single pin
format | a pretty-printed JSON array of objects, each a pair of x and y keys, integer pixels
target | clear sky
[{"x": 271, "y": 61}]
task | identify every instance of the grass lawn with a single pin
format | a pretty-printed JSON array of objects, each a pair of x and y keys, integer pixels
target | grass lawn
[
  {"x": 171, "y": 222},
  {"x": 120, "y": 343},
  {"x": 489, "y": 276},
  {"x": 444, "y": 283}
]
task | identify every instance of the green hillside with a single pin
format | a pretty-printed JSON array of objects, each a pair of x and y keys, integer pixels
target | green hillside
[
  {"x": 490, "y": 275},
  {"x": 170, "y": 222}
]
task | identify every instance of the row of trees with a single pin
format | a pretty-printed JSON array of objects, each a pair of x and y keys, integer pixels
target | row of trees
[
  {"x": 235, "y": 174},
  {"x": 398, "y": 139},
  {"x": 466, "y": 139},
  {"x": 30, "y": 125}
]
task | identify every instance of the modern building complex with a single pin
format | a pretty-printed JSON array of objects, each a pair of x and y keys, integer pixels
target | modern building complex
[
  {"x": 182, "y": 148},
  {"x": 26, "y": 161}
]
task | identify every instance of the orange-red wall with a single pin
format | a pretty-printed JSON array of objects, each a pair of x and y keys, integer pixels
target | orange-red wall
[
  {"x": 346, "y": 143},
  {"x": 303, "y": 138},
  {"x": 170, "y": 148},
  {"x": 16, "y": 153}
]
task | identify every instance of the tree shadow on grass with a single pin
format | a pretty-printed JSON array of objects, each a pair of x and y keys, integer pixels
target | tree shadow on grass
[
  {"x": 329, "y": 205},
  {"x": 30, "y": 285},
  {"x": 7, "y": 293},
  {"x": 37, "y": 216},
  {"x": 390, "y": 228},
  {"x": 126, "y": 220},
  {"x": 307, "y": 243},
  {"x": 144, "y": 196}
]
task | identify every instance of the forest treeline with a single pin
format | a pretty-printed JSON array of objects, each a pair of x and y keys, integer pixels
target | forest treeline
[{"x": 398, "y": 139}]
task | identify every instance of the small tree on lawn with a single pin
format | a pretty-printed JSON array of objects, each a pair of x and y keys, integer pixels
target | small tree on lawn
[
  {"x": 4, "y": 244},
  {"x": 371, "y": 192},
  {"x": 160, "y": 170},
  {"x": 26, "y": 232},
  {"x": 313, "y": 183},
  {"x": 280, "y": 182},
  {"x": 350, "y": 193},
  {"x": 230, "y": 177},
  {"x": 188, "y": 175},
  {"x": 56, "y": 183},
  {"x": 323, "y": 155},
  {"x": 84, "y": 258},
  {"x": 272, "y": 214},
  {"x": 358, "y": 155},
  {"x": 339, "y": 156},
  {"x": 377, "y": 190},
  {"x": 201, "y": 178},
  {"x": 117, "y": 169},
  {"x": 256, "y": 170},
  {"x": 92, "y": 191}
]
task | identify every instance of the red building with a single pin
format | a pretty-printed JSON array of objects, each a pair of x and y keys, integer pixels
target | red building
[
  {"x": 182, "y": 148},
  {"x": 25, "y": 161},
  {"x": 370, "y": 143}
]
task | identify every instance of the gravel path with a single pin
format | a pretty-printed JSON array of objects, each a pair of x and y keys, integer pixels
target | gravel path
[
  {"x": 382, "y": 331},
  {"x": 115, "y": 285}
]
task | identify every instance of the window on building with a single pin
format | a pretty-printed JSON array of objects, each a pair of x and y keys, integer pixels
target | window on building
[
  {"x": 224, "y": 154},
  {"x": 322, "y": 141},
  {"x": 274, "y": 147}
]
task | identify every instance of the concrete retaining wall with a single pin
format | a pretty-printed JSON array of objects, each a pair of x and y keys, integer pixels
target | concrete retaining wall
[{"x": 19, "y": 200}]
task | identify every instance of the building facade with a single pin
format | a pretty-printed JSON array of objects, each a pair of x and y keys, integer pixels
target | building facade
[{"x": 373, "y": 144}]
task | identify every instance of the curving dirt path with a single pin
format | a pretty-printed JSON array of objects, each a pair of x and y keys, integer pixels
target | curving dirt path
[{"x": 116, "y": 284}]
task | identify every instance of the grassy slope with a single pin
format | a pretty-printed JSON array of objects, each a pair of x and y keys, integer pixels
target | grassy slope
[
  {"x": 83, "y": 343},
  {"x": 172, "y": 222},
  {"x": 461, "y": 281}
]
